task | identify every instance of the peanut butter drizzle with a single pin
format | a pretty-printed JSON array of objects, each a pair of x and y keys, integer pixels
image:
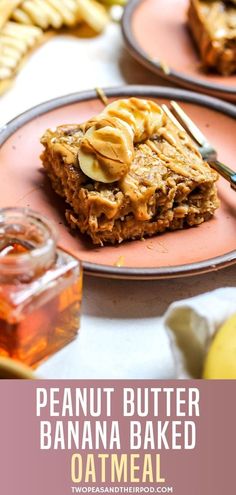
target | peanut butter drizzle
[
  {"x": 138, "y": 197},
  {"x": 172, "y": 135},
  {"x": 174, "y": 167}
]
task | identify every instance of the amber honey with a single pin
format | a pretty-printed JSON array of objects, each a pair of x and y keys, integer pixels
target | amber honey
[{"x": 40, "y": 289}]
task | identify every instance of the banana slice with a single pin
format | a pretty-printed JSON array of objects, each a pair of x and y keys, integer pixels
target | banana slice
[
  {"x": 93, "y": 13},
  {"x": 10, "y": 52},
  {"x": 15, "y": 41},
  {"x": 70, "y": 5},
  {"x": 61, "y": 6},
  {"x": 8, "y": 62},
  {"x": 144, "y": 116},
  {"x": 106, "y": 152},
  {"x": 55, "y": 19},
  {"x": 22, "y": 32},
  {"x": 5, "y": 73},
  {"x": 20, "y": 16},
  {"x": 6, "y": 9},
  {"x": 90, "y": 165},
  {"x": 38, "y": 16}
]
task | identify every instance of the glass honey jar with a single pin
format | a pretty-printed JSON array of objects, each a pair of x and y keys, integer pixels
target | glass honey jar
[{"x": 40, "y": 288}]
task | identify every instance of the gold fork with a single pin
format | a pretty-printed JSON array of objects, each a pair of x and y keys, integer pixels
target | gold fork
[{"x": 208, "y": 152}]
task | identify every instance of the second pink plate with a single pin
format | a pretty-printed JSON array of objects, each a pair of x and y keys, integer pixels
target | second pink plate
[{"x": 156, "y": 34}]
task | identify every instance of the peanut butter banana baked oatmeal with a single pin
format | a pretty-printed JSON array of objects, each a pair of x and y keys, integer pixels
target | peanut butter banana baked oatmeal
[
  {"x": 213, "y": 25},
  {"x": 129, "y": 173}
]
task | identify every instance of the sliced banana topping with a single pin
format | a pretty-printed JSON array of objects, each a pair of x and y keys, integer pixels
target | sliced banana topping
[
  {"x": 144, "y": 116},
  {"x": 90, "y": 166},
  {"x": 107, "y": 148},
  {"x": 106, "y": 151}
]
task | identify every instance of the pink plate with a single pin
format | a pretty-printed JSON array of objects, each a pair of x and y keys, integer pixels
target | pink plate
[
  {"x": 156, "y": 34},
  {"x": 210, "y": 246}
]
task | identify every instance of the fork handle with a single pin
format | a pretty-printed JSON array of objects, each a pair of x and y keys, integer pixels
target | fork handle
[{"x": 226, "y": 172}]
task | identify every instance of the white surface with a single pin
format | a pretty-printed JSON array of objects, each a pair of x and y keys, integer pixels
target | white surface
[{"x": 121, "y": 333}]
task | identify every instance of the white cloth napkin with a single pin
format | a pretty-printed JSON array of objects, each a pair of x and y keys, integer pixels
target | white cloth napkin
[{"x": 191, "y": 324}]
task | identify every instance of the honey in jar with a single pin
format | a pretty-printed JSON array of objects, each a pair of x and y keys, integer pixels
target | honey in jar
[{"x": 40, "y": 288}]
